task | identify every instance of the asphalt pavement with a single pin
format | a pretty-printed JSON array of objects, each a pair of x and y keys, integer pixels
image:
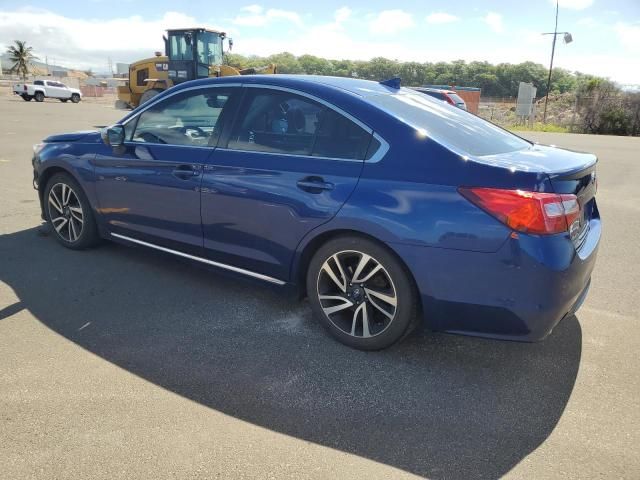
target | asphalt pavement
[{"x": 118, "y": 362}]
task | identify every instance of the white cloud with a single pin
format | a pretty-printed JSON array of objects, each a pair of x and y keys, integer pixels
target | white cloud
[
  {"x": 254, "y": 9},
  {"x": 441, "y": 17},
  {"x": 256, "y": 16},
  {"x": 494, "y": 20},
  {"x": 573, "y": 4},
  {"x": 629, "y": 36},
  {"x": 86, "y": 43},
  {"x": 391, "y": 21},
  {"x": 342, "y": 14}
]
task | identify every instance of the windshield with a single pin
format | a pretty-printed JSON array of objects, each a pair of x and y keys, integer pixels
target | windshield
[
  {"x": 209, "y": 48},
  {"x": 455, "y": 128},
  {"x": 180, "y": 46}
]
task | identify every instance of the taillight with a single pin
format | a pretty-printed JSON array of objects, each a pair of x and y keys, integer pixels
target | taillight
[
  {"x": 529, "y": 212},
  {"x": 25, "y": 88}
]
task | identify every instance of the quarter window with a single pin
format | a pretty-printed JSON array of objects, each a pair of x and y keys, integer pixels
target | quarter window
[
  {"x": 281, "y": 122},
  {"x": 189, "y": 118}
]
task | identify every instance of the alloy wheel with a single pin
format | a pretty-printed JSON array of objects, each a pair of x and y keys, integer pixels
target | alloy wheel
[
  {"x": 65, "y": 212},
  {"x": 357, "y": 293}
]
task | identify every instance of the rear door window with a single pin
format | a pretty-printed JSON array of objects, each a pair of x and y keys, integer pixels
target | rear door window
[{"x": 274, "y": 121}]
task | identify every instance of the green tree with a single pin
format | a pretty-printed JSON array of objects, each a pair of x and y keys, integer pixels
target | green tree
[{"x": 22, "y": 58}]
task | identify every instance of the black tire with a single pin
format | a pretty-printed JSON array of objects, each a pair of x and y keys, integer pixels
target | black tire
[
  {"x": 64, "y": 100},
  {"x": 88, "y": 235},
  {"x": 149, "y": 94},
  {"x": 26, "y": 98},
  {"x": 391, "y": 278},
  {"x": 39, "y": 96},
  {"x": 75, "y": 98}
]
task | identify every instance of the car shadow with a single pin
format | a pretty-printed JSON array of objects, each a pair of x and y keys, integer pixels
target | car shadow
[{"x": 436, "y": 405}]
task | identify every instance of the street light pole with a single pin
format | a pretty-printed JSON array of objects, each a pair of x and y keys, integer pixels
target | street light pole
[
  {"x": 567, "y": 39},
  {"x": 553, "y": 51}
]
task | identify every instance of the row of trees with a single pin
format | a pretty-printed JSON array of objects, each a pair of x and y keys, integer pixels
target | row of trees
[{"x": 500, "y": 80}]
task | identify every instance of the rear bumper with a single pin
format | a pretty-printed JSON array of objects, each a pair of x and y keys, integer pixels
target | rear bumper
[{"x": 521, "y": 292}]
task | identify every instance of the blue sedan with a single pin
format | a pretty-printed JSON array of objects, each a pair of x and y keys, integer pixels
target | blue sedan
[{"x": 383, "y": 206}]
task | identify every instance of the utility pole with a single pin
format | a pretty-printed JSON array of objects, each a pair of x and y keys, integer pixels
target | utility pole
[
  {"x": 110, "y": 64},
  {"x": 567, "y": 39}
]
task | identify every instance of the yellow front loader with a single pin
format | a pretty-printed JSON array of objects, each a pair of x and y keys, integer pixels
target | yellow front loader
[{"x": 189, "y": 54}]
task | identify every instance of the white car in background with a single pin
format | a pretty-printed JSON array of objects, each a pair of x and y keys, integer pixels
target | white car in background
[{"x": 41, "y": 89}]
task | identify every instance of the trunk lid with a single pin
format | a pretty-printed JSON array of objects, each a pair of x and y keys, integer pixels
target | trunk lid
[
  {"x": 569, "y": 172},
  {"x": 542, "y": 159}
]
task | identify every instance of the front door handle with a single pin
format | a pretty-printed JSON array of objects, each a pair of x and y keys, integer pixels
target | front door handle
[
  {"x": 314, "y": 184},
  {"x": 185, "y": 172}
]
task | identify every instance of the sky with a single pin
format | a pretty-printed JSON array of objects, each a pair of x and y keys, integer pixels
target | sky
[{"x": 85, "y": 34}]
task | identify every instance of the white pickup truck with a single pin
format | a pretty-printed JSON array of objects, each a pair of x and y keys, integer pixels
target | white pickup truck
[{"x": 41, "y": 89}]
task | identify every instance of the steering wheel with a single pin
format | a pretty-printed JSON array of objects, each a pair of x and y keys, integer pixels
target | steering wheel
[{"x": 184, "y": 130}]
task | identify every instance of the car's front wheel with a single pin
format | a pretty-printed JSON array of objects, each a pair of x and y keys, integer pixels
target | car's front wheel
[
  {"x": 75, "y": 98},
  {"x": 69, "y": 213},
  {"x": 361, "y": 293},
  {"x": 39, "y": 96}
]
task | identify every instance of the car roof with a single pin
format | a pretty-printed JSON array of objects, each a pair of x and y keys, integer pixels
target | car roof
[{"x": 355, "y": 86}]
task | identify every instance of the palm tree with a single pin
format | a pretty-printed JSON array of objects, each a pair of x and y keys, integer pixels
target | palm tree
[{"x": 21, "y": 57}]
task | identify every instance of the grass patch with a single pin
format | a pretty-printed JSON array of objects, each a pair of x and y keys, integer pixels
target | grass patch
[{"x": 540, "y": 127}]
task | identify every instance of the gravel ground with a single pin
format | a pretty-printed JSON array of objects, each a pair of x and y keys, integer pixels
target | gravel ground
[{"x": 121, "y": 363}]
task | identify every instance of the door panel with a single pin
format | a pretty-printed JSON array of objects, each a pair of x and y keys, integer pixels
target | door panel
[
  {"x": 273, "y": 181},
  {"x": 151, "y": 192},
  {"x": 254, "y": 213}
]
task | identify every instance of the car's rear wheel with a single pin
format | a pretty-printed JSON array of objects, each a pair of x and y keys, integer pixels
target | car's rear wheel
[
  {"x": 69, "y": 213},
  {"x": 361, "y": 293},
  {"x": 75, "y": 98},
  {"x": 26, "y": 98},
  {"x": 64, "y": 100},
  {"x": 39, "y": 96}
]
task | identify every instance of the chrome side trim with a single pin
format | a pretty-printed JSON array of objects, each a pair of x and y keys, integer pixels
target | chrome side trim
[
  {"x": 291, "y": 155},
  {"x": 380, "y": 153},
  {"x": 382, "y": 150},
  {"x": 202, "y": 260}
]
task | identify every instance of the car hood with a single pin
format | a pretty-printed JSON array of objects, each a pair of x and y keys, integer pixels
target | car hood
[
  {"x": 86, "y": 136},
  {"x": 541, "y": 158}
]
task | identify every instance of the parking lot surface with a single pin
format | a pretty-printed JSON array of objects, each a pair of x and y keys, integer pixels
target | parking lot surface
[{"x": 119, "y": 362}]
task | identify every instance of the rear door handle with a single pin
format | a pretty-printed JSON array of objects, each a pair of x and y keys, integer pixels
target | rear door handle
[
  {"x": 314, "y": 184},
  {"x": 185, "y": 172}
]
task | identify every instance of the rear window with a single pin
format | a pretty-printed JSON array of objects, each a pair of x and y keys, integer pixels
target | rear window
[
  {"x": 439, "y": 95},
  {"x": 38, "y": 82},
  {"x": 456, "y": 98},
  {"x": 455, "y": 128}
]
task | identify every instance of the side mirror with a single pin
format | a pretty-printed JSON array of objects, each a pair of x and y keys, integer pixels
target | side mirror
[
  {"x": 230, "y": 44},
  {"x": 113, "y": 135}
]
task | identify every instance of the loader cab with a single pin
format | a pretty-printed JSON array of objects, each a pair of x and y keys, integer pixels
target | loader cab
[{"x": 191, "y": 52}]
